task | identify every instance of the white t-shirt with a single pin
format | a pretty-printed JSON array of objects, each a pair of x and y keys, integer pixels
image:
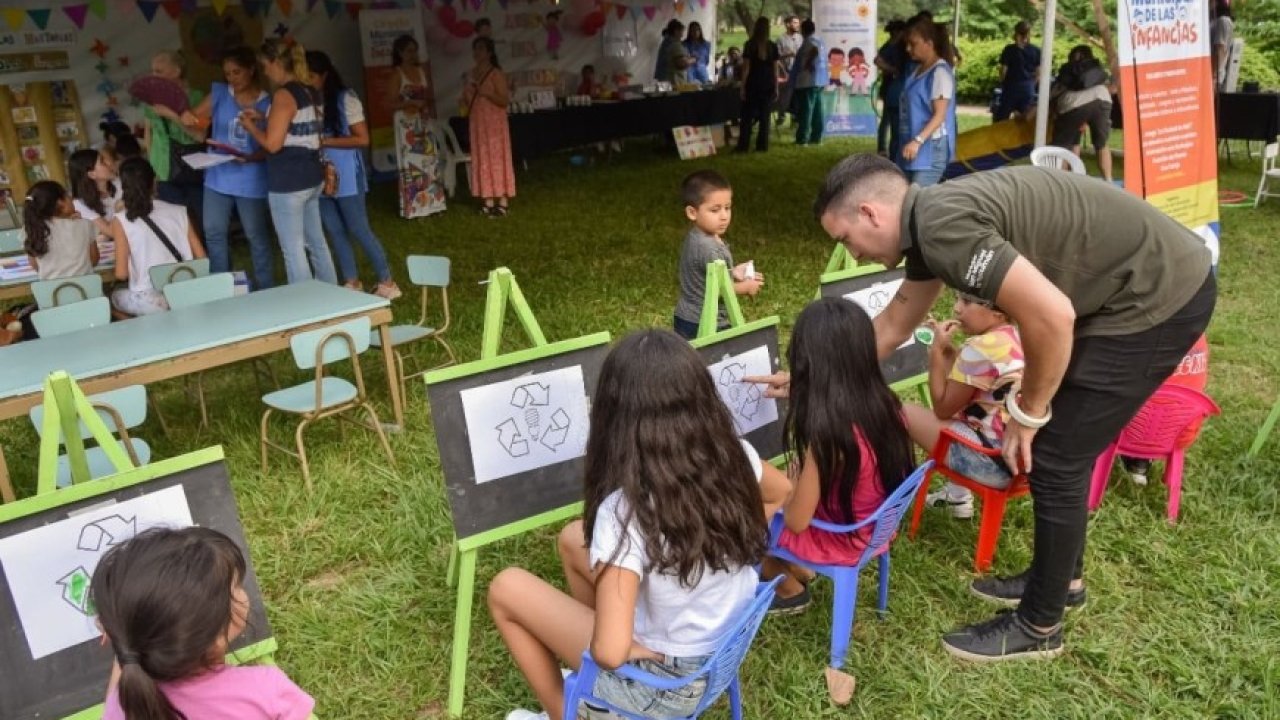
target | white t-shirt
[
  {"x": 352, "y": 108},
  {"x": 672, "y": 619},
  {"x": 68, "y": 254},
  {"x": 943, "y": 88},
  {"x": 109, "y": 204},
  {"x": 146, "y": 250}
]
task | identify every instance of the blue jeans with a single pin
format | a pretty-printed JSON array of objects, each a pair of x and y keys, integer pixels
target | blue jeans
[
  {"x": 345, "y": 218},
  {"x": 253, "y": 218},
  {"x": 641, "y": 699},
  {"x": 297, "y": 219},
  {"x": 932, "y": 176}
]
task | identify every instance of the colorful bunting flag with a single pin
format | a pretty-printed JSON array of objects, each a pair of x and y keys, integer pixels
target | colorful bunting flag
[
  {"x": 98, "y": 7},
  {"x": 189, "y": 6},
  {"x": 172, "y": 8},
  {"x": 649, "y": 12},
  {"x": 40, "y": 17},
  {"x": 77, "y": 14},
  {"x": 148, "y": 8},
  {"x": 332, "y": 8},
  {"x": 219, "y": 6}
]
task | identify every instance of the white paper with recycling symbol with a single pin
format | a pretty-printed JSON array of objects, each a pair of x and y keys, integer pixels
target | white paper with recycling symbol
[
  {"x": 875, "y": 299},
  {"x": 747, "y": 404},
  {"x": 526, "y": 423}
]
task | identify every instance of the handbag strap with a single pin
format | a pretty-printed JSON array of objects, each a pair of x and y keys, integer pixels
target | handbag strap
[
  {"x": 177, "y": 257},
  {"x": 476, "y": 96}
]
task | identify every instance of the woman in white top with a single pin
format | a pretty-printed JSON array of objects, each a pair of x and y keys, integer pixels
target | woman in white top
[
  {"x": 675, "y": 524},
  {"x": 148, "y": 232}
]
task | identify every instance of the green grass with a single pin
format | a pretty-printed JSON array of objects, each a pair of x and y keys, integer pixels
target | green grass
[{"x": 1181, "y": 622}]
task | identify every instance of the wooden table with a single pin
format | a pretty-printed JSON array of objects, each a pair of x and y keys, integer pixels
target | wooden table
[{"x": 170, "y": 344}]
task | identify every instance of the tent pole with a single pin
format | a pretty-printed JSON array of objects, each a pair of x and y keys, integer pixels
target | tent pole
[
  {"x": 1046, "y": 72},
  {"x": 955, "y": 23}
]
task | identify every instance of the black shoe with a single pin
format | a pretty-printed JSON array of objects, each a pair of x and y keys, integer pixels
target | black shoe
[
  {"x": 1008, "y": 590},
  {"x": 1004, "y": 637},
  {"x": 793, "y": 605}
]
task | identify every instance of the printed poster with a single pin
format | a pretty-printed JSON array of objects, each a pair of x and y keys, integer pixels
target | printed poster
[
  {"x": 694, "y": 142},
  {"x": 420, "y": 167},
  {"x": 1166, "y": 90},
  {"x": 848, "y": 29}
]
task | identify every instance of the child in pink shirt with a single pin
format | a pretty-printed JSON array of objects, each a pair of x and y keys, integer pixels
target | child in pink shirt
[{"x": 171, "y": 602}]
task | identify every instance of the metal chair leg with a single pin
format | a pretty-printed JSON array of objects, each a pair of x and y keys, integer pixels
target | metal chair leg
[
  {"x": 382, "y": 436},
  {"x": 302, "y": 454},
  {"x": 262, "y": 439}
]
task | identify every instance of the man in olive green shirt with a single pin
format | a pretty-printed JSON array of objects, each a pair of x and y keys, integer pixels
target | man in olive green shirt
[{"x": 1108, "y": 294}]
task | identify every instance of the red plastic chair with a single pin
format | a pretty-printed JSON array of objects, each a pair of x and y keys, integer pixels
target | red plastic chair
[
  {"x": 1162, "y": 430},
  {"x": 993, "y": 500}
]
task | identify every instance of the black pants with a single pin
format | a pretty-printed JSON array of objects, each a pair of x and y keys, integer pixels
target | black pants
[
  {"x": 755, "y": 109},
  {"x": 1107, "y": 382}
]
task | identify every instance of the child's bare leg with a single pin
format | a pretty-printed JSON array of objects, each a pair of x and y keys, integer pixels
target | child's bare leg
[
  {"x": 575, "y": 559},
  {"x": 790, "y": 586},
  {"x": 923, "y": 426},
  {"x": 540, "y": 624}
]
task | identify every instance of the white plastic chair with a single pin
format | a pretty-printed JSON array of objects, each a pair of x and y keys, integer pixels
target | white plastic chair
[
  {"x": 1050, "y": 156},
  {"x": 453, "y": 155},
  {"x": 1270, "y": 171}
]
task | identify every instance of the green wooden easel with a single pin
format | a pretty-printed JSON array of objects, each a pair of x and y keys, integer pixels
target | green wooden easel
[
  {"x": 840, "y": 260},
  {"x": 65, "y": 408},
  {"x": 502, "y": 292},
  {"x": 719, "y": 289}
]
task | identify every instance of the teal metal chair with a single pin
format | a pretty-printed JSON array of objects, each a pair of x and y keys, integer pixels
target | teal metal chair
[
  {"x": 64, "y": 291},
  {"x": 12, "y": 241},
  {"x": 162, "y": 275},
  {"x": 325, "y": 396},
  {"x": 120, "y": 410},
  {"x": 425, "y": 271},
  {"x": 70, "y": 318},
  {"x": 195, "y": 292}
]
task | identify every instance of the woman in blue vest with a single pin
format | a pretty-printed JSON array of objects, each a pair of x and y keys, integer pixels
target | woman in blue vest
[
  {"x": 239, "y": 186},
  {"x": 927, "y": 108},
  {"x": 295, "y": 173},
  {"x": 346, "y": 135},
  {"x": 700, "y": 50}
]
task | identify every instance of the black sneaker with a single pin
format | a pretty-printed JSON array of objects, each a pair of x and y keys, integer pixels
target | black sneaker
[
  {"x": 1004, "y": 637},
  {"x": 1008, "y": 590},
  {"x": 793, "y": 605}
]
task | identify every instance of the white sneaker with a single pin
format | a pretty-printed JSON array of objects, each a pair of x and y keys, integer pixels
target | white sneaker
[
  {"x": 1138, "y": 478},
  {"x": 522, "y": 714},
  {"x": 961, "y": 508}
]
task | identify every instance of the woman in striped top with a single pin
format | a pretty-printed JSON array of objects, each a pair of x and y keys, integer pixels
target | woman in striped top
[{"x": 295, "y": 173}]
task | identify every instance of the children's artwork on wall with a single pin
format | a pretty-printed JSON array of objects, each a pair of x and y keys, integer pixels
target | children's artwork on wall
[
  {"x": 49, "y": 568},
  {"x": 207, "y": 35}
]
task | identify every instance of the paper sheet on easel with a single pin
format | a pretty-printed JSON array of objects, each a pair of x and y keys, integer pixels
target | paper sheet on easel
[
  {"x": 201, "y": 161},
  {"x": 48, "y": 569},
  {"x": 748, "y": 406},
  {"x": 875, "y": 299}
]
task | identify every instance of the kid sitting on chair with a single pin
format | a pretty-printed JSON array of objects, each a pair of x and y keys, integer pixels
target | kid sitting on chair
[
  {"x": 968, "y": 386},
  {"x": 661, "y": 565}
]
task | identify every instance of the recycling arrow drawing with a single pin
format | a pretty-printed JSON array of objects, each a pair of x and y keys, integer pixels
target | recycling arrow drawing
[
  {"x": 557, "y": 432},
  {"x": 75, "y": 591},
  {"x": 534, "y": 393},
  {"x": 511, "y": 440},
  {"x": 104, "y": 533}
]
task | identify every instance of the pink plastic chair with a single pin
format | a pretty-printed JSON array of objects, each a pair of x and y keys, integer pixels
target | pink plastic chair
[{"x": 1160, "y": 431}]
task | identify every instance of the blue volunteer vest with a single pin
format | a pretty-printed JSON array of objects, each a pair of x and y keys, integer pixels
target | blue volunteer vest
[
  {"x": 915, "y": 110},
  {"x": 352, "y": 178}
]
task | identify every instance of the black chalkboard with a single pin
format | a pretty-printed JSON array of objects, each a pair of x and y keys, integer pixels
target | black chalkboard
[
  {"x": 904, "y": 363},
  {"x": 75, "y": 679},
  {"x": 767, "y": 440},
  {"x": 482, "y": 506}
]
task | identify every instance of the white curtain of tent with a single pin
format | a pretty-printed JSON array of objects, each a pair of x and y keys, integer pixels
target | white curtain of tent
[{"x": 1046, "y": 72}]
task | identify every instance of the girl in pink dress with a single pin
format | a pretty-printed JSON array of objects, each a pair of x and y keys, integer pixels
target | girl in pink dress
[
  {"x": 493, "y": 178},
  {"x": 846, "y": 428}
]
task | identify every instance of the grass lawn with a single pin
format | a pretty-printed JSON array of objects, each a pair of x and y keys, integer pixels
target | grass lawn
[{"x": 1181, "y": 621}]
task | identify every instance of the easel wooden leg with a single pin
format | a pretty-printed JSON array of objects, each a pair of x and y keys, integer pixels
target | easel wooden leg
[
  {"x": 6, "y": 489},
  {"x": 451, "y": 578},
  {"x": 393, "y": 377},
  {"x": 461, "y": 630}
]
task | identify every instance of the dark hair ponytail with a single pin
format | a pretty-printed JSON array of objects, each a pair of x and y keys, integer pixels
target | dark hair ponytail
[
  {"x": 164, "y": 600},
  {"x": 837, "y": 394},
  {"x": 320, "y": 64},
  {"x": 40, "y": 207},
  {"x": 138, "y": 186},
  {"x": 83, "y": 187}
]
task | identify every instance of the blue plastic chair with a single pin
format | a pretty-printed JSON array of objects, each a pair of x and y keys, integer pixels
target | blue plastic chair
[
  {"x": 425, "y": 271},
  {"x": 721, "y": 670},
  {"x": 884, "y": 525},
  {"x": 324, "y": 396},
  {"x": 162, "y": 275},
  {"x": 64, "y": 291},
  {"x": 70, "y": 318},
  {"x": 119, "y": 410}
]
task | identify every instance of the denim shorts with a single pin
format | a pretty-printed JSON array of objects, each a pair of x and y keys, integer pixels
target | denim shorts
[
  {"x": 640, "y": 699},
  {"x": 984, "y": 469}
]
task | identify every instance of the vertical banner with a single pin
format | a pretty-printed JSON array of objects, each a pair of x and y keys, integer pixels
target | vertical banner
[
  {"x": 378, "y": 31},
  {"x": 848, "y": 29},
  {"x": 1166, "y": 90},
  {"x": 419, "y": 162}
]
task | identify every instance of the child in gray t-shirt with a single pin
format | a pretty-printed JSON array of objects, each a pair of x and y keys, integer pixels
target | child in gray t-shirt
[{"x": 708, "y": 203}]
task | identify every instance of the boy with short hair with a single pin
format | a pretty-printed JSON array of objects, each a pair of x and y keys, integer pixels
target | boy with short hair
[{"x": 708, "y": 203}]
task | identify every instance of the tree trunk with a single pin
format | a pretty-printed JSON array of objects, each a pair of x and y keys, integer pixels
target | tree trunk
[
  {"x": 1068, "y": 23},
  {"x": 742, "y": 11},
  {"x": 1108, "y": 41}
]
